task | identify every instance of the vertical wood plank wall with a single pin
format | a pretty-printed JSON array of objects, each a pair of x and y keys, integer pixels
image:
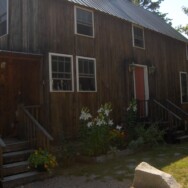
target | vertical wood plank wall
[{"x": 51, "y": 29}]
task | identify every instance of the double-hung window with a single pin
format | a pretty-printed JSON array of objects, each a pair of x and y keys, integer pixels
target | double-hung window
[
  {"x": 86, "y": 74},
  {"x": 61, "y": 72},
  {"x": 138, "y": 36},
  {"x": 84, "y": 22},
  {"x": 3, "y": 17},
  {"x": 184, "y": 87}
]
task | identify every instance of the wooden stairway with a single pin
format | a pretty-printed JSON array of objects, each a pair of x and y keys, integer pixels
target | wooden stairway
[
  {"x": 15, "y": 168},
  {"x": 168, "y": 116}
]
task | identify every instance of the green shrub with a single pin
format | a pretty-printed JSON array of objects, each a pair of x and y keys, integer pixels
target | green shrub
[
  {"x": 150, "y": 136},
  {"x": 95, "y": 132},
  {"x": 42, "y": 159},
  {"x": 131, "y": 120}
]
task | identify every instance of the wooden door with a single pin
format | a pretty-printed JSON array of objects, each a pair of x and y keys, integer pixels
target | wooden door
[
  {"x": 19, "y": 83},
  {"x": 141, "y": 89}
]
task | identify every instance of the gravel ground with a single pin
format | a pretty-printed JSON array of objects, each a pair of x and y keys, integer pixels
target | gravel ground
[{"x": 78, "y": 182}]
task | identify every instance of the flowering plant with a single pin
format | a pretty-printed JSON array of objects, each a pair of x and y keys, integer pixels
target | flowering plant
[
  {"x": 131, "y": 119},
  {"x": 95, "y": 131},
  {"x": 42, "y": 159},
  {"x": 117, "y": 137}
]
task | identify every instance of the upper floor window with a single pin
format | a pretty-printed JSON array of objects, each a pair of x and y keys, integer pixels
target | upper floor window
[
  {"x": 86, "y": 74},
  {"x": 84, "y": 23},
  {"x": 3, "y": 17},
  {"x": 187, "y": 51},
  {"x": 184, "y": 86},
  {"x": 138, "y": 37},
  {"x": 61, "y": 72}
]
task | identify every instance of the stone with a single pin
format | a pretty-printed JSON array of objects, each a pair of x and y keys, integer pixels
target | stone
[{"x": 147, "y": 176}]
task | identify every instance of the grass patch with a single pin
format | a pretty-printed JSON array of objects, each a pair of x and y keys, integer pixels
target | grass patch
[{"x": 172, "y": 159}]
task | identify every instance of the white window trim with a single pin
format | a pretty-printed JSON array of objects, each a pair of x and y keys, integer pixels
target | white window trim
[
  {"x": 50, "y": 72},
  {"x": 186, "y": 48},
  {"x": 7, "y": 20},
  {"x": 181, "y": 86},
  {"x": 75, "y": 22},
  {"x": 77, "y": 73},
  {"x": 133, "y": 25}
]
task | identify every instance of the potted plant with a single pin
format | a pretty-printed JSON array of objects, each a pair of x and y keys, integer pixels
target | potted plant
[{"x": 42, "y": 160}]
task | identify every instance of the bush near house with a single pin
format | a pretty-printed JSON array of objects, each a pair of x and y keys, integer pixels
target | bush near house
[{"x": 98, "y": 134}]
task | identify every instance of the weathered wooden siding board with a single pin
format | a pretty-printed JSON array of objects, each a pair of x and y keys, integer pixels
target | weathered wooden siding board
[{"x": 51, "y": 29}]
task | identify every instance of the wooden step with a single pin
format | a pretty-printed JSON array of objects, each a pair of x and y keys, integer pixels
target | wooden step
[
  {"x": 16, "y": 156},
  {"x": 15, "y": 168},
  {"x": 182, "y": 138},
  {"x": 16, "y": 146},
  {"x": 24, "y": 178},
  {"x": 21, "y": 179}
]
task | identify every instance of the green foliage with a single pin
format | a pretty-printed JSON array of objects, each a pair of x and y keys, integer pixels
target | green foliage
[
  {"x": 181, "y": 28},
  {"x": 98, "y": 134},
  {"x": 42, "y": 158},
  {"x": 152, "y": 6},
  {"x": 150, "y": 136},
  {"x": 131, "y": 119},
  {"x": 117, "y": 139},
  {"x": 95, "y": 133}
]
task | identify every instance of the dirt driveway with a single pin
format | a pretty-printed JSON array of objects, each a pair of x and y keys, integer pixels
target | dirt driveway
[{"x": 78, "y": 182}]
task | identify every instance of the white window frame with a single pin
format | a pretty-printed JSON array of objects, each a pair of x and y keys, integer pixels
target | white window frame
[
  {"x": 181, "y": 86},
  {"x": 133, "y": 37},
  {"x": 75, "y": 21},
  {"x": 186, "y": 46},
  {"x": 77, "y": 73},
  {"x": 7, "y": 20},
  {"x": 50, "y": 72}
]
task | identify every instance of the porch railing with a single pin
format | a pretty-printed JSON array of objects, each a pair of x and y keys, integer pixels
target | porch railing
[
  {"x": 2, "y": 146},
  {"x": 31, "y": 129},
  {"x": 155, "y": 111}
]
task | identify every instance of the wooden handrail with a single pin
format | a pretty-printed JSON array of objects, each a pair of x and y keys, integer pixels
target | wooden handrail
[
  {"x": 2, "y": 143},
  {"x": 177, "y": 107},
  {"x": 32, "y": 106},
  {"x": 169, "y": 111},
  {"x": 36, "y": 123},
  {"x": 2, "y": 146},
  {"x": 31, "y": 129}
]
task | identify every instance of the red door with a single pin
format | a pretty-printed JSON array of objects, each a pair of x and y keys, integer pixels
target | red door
[{"x": 140, "y": 90}]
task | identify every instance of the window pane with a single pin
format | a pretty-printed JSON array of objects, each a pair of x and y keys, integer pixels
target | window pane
[
  {"x": 67, "y": 67},
  {"x": 84, "y": 22},
  {"x": 138, "y": 37},
  {"x": 3, "y": 17},
  {"x": 61, "y": 66},
  {"x": 54, "y": 66},
  {"x": 86, "y": 75},
  {"x": 61, "y": 73},
  {"x": 86, "y": 84}
]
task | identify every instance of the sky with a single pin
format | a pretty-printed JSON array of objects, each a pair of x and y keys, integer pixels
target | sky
[{"x": 174, "y": 10}]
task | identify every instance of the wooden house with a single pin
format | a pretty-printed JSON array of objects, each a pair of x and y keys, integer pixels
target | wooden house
[{"x": 57, "y": 56}]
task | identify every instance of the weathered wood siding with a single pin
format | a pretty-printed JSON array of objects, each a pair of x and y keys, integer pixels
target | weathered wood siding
[{"x": 51, "y": 29}]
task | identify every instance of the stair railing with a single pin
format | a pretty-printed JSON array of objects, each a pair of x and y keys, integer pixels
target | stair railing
[
  {"x": 176, "y": 108},
  {"x": 179, "y": 111},
  {"x": 31, "y": 129},
  {"x": 2, "y": 146},
  {"x": 164, "y": 114}
]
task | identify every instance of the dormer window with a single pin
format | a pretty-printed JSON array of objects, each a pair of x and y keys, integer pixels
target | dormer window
[
  {"x": 3, "y": 17},
  {"x": 138, "y": 37},
  {"x": 84, "y": 22}
]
